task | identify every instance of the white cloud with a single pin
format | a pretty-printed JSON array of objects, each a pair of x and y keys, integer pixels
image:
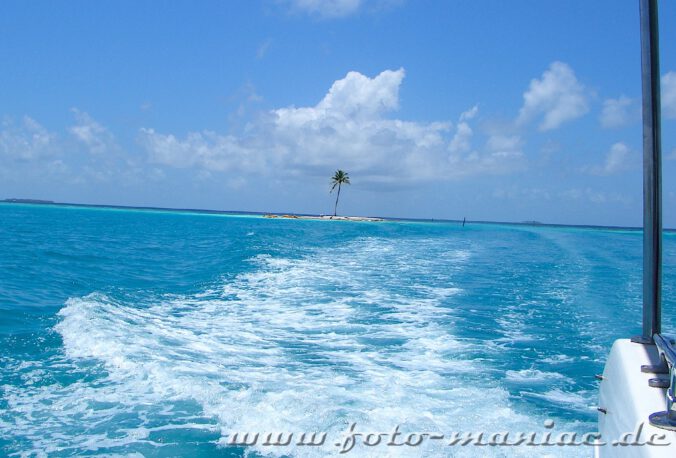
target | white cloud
[
  {"x": 469, "y": 114},
  {"x": 332, "y": 9},
  {"x": 45, "y": 158},
  {"x": 325, "y": 8},
  {"x": 355, "y": 96},
  {"x": 96, "y": 138},
  {"x": 26, "y": 141},
  {"x": 669, "y": 95},
  {"x": 617, "y": 160},
  {"x": 207, "y": 150},
  {"x": 349, "y": 128},
  {"x": 595, "y": 196},
  {"x": 461, "y": 142},
  {"x": 501, "y": 142},
  {"x": 558, "y": 97},
  {"x": 618, "y": 112},
  {"x": 502, "y": 155}
]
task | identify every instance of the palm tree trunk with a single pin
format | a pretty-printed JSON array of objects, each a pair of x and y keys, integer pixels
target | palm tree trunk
[{"x": 335, "y": 208}]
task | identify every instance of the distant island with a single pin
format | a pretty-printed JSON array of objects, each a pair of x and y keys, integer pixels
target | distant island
[{"x": 28, "y": 201}]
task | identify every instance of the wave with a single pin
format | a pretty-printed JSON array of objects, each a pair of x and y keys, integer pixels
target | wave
[{"x": 359, "y": 333}]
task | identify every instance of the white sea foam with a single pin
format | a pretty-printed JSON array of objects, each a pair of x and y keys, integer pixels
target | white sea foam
[
  {"x": 355, "y": 334},
  {"x": 576, "y": 401},
  {"x": 558, "y": 359},
  {"x": 534, "y": 376}
]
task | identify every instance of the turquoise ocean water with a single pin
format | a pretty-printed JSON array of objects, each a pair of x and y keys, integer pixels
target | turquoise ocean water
[{"x": 130, "y": 333}]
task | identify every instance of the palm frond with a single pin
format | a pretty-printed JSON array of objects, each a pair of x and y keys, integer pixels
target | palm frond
[{"x": 340, "y": 177}]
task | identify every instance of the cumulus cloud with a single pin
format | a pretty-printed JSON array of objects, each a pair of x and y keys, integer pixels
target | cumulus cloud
[
  {"x": 461, "y": 142},
  {"x": 26, "y": 141},
  {"x": 207, "y": 150},
  {"x": 501, "y": 142},
  {"x": 355, "y": 96},
  {"x": 669, "y": 95},
  {"x": 96, "y": 138},
  {"x": 618, "y": 112},
  {"x": 43, "y": 157},
  {"x": 617, "y": 160},
  {"x": 332, "y": 9},
  {"x": 469, "y": 114},
  {"x": 557, "y": 97},
  {"x": 350, "y": 128},
  {"x": 495, "y": 162},
  {"x": 502, "y": 154}
]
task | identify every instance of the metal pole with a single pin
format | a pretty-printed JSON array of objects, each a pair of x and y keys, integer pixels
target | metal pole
[{"x": 652, "y": 172}]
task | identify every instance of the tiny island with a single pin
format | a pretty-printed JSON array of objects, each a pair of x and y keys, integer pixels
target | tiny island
[
  {"x": 326, "y": 217},
  {"x": 339, "y": 178}
]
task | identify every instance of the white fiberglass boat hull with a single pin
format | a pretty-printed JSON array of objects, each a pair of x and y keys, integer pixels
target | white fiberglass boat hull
[{"x": 626, "y": 401}]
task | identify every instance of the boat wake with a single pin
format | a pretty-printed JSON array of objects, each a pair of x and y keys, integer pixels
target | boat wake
[{"x": 356, "y": 334}]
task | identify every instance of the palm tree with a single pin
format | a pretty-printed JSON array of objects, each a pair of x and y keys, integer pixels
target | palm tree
[{"x": 339, "y": 178}]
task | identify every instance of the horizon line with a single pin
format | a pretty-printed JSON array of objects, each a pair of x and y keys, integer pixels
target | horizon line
[{"x": 533, "y": 223}]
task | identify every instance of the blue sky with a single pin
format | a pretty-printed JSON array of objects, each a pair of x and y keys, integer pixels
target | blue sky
[{"x": 493, "y": 110}]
